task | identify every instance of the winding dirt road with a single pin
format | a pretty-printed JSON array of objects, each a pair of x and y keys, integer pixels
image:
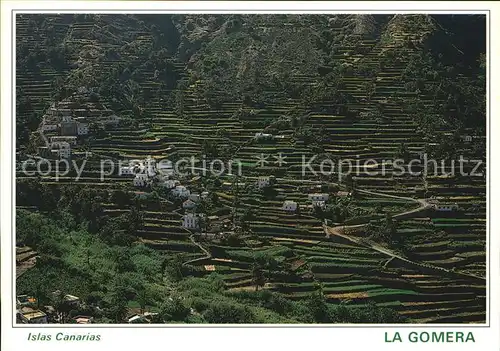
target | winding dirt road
[
  {"x": 207, "y": 253},
  {"x": 342, "y": 231}
]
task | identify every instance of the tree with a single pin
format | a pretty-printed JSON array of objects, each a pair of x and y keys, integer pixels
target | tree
[
  {"x": 62, "y": 307},
  {"x": 317, "y": 305},
  {"x": 233, "y": 238},
  {"x": 210, "y": 148},
  {"x": 318, "y": 212},
  {"x": 221, "y": 312},
  {"x": 174, "y": 309},
  {"x": 136, "y": 217},
  {"x": 386, "y": 231},
  {"x": 40, "y": 290},
  {"x": 402, "y": 152},
  {"x": 248, "y": 215},
  {"x": 118, "y": 310},
  {"x": 142, "y": 298},
  {"x": 120, "y": 197},
  {"x": 124, "y": 263},
  {"x": 89, "y": 242},
  {"x": 94, "y": 298},
  {"x": 243, "y": 227},
  {"x": 349, "y": 182},
  {"x": 369, "y": 88},
  {"x": 258, "y": 276},
  {"x": 297, "y": 210},
  {"x": 173, "y": 268},
  {"x": 118, "y": 230}
]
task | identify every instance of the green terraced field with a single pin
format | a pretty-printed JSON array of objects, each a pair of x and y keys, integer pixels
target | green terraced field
[{"x": 439, "y": 277}]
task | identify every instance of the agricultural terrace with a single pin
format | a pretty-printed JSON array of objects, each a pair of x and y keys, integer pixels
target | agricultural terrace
[{"x": 431, "y": 272}]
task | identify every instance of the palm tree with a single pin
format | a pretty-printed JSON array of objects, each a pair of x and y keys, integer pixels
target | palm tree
[
  {"x": 62, "y": 307},
  {"x": 40, "y": 291},
  {"x": 120, "y": 311}
]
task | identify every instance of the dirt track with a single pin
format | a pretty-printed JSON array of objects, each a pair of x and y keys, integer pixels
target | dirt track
[{"x": 424, "y": 205}]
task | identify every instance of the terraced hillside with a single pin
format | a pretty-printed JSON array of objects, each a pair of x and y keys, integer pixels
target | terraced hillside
[{"x": 272, "y": 93}]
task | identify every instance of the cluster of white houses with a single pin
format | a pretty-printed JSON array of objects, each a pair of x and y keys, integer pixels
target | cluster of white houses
[
  {"x": 144, "y": 171},
  {"x": 261, "y": 183},
  {"x": 61, "y": 121},
  {"x": 148, "y": 170},
  {"x": 66, "y": 121},
  {"x": 70, "y": 119},
  {"x": 191, "y": 219},
  {"x": 317, "y": 200},
  {"x": 320, "y": 200},
  {"x": 58, "y": 147}
]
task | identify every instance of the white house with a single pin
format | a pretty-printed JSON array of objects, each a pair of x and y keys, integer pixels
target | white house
[
  {"x": 60, "y": 145},
  {"x": 126, "y": 170},
  {"x": 263, "y": 182},
  {"x": 467, "y": 138},
  {"x": 290, "y": 206},
  {"x": 204, "y": 195},
  {"x": 190, "y": 221},
  {"x": 113, "y": 119},
  {"x": 64, "y": 153},
  {"x": 260, "y": 135},
  {"x": 318, "y": 197},
  {"x": 181, "y": 191},
  {"x": 188, "y": 204},
  {"x": 82, "y": 128},
  {"x": 61, "y": 148},
  {"x": 445, "y": 208},
  {"x": 140, "y": 179}
]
